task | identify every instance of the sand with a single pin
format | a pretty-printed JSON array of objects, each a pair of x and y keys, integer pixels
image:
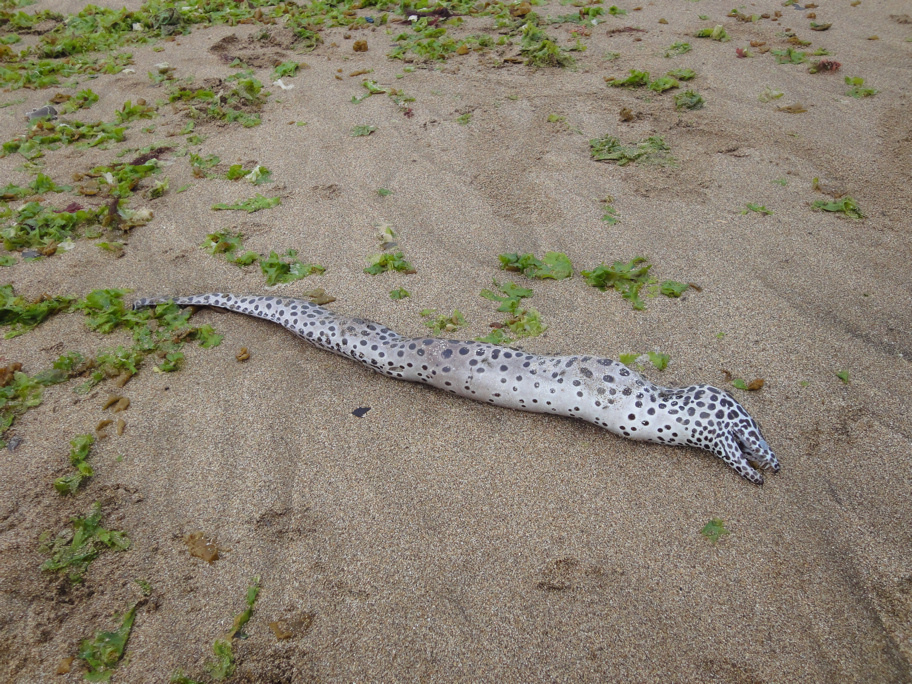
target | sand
[{"x": 437, "y": 539}]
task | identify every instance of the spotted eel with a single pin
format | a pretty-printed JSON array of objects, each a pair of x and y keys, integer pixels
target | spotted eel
[{"x": 597, "y": 390}]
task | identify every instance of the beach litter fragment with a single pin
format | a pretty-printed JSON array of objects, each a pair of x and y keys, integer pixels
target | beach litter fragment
[{"x": 45, "y": 113}]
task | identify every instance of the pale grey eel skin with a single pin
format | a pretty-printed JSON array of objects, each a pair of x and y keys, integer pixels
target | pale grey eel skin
[{"x": 600, "y": 391}]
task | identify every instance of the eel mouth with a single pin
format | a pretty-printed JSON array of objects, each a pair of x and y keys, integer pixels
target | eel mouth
[{"x": 755, "y": 459}]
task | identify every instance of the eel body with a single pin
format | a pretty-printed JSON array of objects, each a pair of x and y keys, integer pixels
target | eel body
[{"x": 597, "y": 390}]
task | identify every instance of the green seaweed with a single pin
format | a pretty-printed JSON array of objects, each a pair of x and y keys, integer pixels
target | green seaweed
[
  {"x": 629, "y": 279},
  {"x": 672, "y": 288},
  {"x": 651, "y": 150},
  {"x": 846, "y": 205},
  {"x": 362, "y": 131},
  {"x": 682, "y": 74},
  {"x": 39, "y": 186},
  {"x": 39, "y": 227},
  {"x": 21, "y": 392},
  {"x": 250, "y": 205},
  {"x": 659, "y": 360},
  {"x": 521, "y": 321},
  {"x": 228, "y": 243},
  {"x": 540, "y": 50},
  {"x": 636, "y": 79},
  {"x": 717, "y": 32},
  {"x": 286, "y": 70},
  {"x": 857, "y": 89},
  {"x": 80, "y": 445},
  {"x": 105, "y": 311},
  {"x": 660, "y": 85},
  {"x": 258, "y": 175},
  {"x": 790, "y": 55},
  {"x": 103, "y": 652},
  {"x": 50, "y": 135},
  {"x": 74, "y": 550},
  {"x": 611, "y": 216},
  {"x": 123, "y": 179},
  {"x": 756, "y": 208},
  {"x": 224, "y": 664},
  {"x": 496, "y": 336},
  {"x": 554, "y": 265},
  {"x": 391, "y": 261},
  {"x": 441, "y": 323},
  {"x": 161, "y": 330},
  {"x": 714, "y": 529},
  {"x": 689, "y": 99},
  {"x": 21, "y": 315},
  {"x": 132, "y": 112},
  {"x": 677, "y": 49},
  {"x": 207, "y": 336},
  {"x": 278, "y": 270}
]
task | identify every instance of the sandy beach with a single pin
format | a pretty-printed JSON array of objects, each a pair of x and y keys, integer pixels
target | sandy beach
[{"x": 439, "y": 539}]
